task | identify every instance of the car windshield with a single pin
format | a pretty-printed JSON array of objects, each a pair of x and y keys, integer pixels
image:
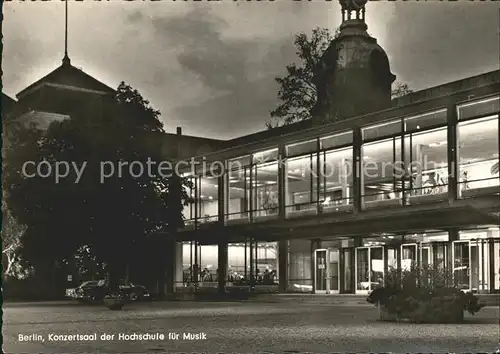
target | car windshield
[{"x": 89, "y": 283}]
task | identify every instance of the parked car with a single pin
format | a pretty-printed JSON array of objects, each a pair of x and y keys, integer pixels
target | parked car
[{"x": 95, "y": 290}]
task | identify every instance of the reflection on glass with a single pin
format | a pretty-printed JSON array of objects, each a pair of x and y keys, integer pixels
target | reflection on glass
[
  {"x": 381, "y": 170},
  {"x": 301, "y": 179},
  {"x": 461, "y": 264},
  {"x": 377, "y": 267},
  {"x": 336, "y": 178},
  {"x": 427, "y": 159},
  {"x": 348, "y": 271},
  {"x": 334, "y": 269},
  {"x": 321, "y": 271},
  {"x": 408, "y": 256},
  {"x": 362, "y": 269},
  {"x": 207, "y": 197},
  {"x": 300, "y": 266},
  {"x": 265, "y": 189},
  {"x": 478, "y": 154}
]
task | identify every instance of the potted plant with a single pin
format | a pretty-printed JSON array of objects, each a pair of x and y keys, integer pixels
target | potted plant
[{"x": 422, "y": 295}]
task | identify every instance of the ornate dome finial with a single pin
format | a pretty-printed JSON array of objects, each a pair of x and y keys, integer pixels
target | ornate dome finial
[{"x": 353, "y": 9}]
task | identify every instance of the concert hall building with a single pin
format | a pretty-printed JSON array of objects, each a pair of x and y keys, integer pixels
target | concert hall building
[
  {"x": 333, "y": 203},
  {"x": 369, "y": 184}
]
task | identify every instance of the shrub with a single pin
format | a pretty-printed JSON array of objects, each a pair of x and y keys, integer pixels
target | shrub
[{"x": 424, "y": 295}]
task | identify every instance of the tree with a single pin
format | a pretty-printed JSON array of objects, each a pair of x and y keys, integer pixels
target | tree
[
  {"x": 11, "y": 232},
  {"x": 400, "y": 90},
  {"x": 14, "y": 136},
  {"x": 108, "y": 212},
  {"x": 297, "y": 91}
]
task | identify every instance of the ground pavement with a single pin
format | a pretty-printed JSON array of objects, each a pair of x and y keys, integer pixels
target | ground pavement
[{"x": 247, "y": 327}]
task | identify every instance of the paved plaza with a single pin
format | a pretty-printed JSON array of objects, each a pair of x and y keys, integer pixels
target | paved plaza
[{"x": 247, "y": 327}]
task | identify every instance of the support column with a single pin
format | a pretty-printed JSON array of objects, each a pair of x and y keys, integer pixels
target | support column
[
  {"x": 179, "y": 270},
  {"x": 282, "y": 182},
  {"x": 170, "y": 266},
  {"x": 342, "y": 271},
  {"x": 283, "y": 265},
  {"x": 357, "y": 170},
  {"x": 222, "y": 264},
  {"x": 452, "y": 236},
  {"x": 453, "y": 168},
  {"x": 252, "y": 276},
  {"x": 196, "y": 267},
  {"x": 491, "y": 275},
  {"x": 358, "y": 242}
]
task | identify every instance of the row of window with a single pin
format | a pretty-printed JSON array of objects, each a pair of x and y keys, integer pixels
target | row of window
[{"x": 402, "y": 162}]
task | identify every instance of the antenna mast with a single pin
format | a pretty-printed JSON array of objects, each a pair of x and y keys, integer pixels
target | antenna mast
[{"x": 66, "y": 59}]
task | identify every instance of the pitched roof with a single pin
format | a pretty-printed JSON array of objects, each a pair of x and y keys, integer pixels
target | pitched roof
[{"x": 68, "y": 75}]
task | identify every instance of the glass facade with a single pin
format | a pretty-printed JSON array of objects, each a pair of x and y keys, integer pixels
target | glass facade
[
  {"x": 426, "y": 144},
  {"x": 402, "y": 162},
  {"x": 200, "y": 264}
]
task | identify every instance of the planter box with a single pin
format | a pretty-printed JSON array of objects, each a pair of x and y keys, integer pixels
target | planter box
[
  {"x": 113, "y": 303},
  {"x": 438, "y": 310}
]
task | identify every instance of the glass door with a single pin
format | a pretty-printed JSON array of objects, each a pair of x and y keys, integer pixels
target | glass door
[
  {"x": 376, "y": 267},
  {"x": 425, "y": 256},
  {"x": 320, "y": 271},
  {"x": 479, "y": 265},
  {"x": 369, "y": 269},
  {"x": 334, "y": 255},
  {"x": 408, "y": 256},
  {"x": 461, "y": 264},
  {"x": 362, "y": 270},
  {"x": 348, "y": 271}
]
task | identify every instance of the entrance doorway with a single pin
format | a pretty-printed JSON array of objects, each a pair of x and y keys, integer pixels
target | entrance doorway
[
  {"x": 326, "y": 271},
  {"x": 471, "y": 265},
  {"x": 369, "y": 269}
]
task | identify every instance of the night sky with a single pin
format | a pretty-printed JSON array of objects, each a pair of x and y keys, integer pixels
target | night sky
[{"x": 209, "y": 67}]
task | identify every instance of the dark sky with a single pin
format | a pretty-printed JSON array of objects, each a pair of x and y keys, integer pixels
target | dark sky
[{"x": 209, "y": 67}]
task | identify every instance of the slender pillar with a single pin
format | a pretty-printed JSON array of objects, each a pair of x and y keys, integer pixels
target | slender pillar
[
  {"x": 453, "y": 161},
  {"x": 342, "y": 271},
  {"x": 245, "y": 259},
  {"x": 282, "y": 181},
  {"x": 179, "y": 271},
  {"x": 491, "y": 280},
  {"x": 196, "y": 271},
  {"x": 357, "y": 169},
  {"x": 221, "y": 202},
  {"x": 252, "y": 276},
  {"x": 283, "y": 265},
  {"x": 170, "y": 266},
  {"x": 222, "y": 264}
]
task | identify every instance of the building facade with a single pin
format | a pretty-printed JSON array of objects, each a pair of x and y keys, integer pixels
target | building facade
[
  {"x": 334, "y": 207},
  {"x": 334, "y": 203}
]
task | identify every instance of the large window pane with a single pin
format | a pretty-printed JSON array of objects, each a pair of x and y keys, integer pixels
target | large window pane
[
  {"x": 189, "y": 209},
  {"x": 301, "y": 180},
  {"x": 426, "y": 156},
  {"x": 207, "y": 198},
  {"x": 336, "y": 178},
  {"x": 264, "y": 181},
  {"x": 238, "y": 189},
  {"x": 478, "y": 155},
  {"x": 337, "y": 140},
  {"x": 300, "y": 266},
  {"x": 479, "y": 108},
  {"x": 381, "y": 172},
  {"x": 302, "y": 148},
  {"x": 426, "y": 120},
  {"x": 382, "y": 130}
]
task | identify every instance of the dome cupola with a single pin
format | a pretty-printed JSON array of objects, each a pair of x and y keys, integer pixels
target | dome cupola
[{"x": 353, "y": 77}]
